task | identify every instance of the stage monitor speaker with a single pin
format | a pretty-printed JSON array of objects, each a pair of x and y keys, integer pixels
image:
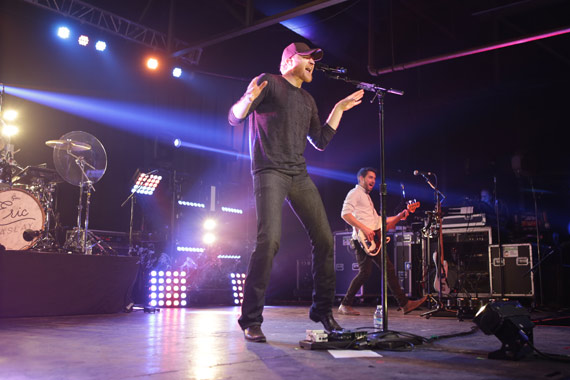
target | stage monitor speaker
[{"x": 514, "y": 268}]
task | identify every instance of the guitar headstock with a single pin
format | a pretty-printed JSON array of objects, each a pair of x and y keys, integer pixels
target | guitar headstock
[{"x": 412, "y": 205}]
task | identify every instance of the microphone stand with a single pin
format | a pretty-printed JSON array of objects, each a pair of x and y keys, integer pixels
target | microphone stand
[
  {"x": 131, "y": 198},
  {"x": 439, "y": 198},
  {"x": 379, "y": 93}
]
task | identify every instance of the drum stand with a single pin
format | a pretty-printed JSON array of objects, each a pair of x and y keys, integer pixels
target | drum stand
[{"x": 46, "y": 242}]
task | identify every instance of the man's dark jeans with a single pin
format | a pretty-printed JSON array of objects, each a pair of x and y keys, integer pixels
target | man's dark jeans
[{"x": 271, "y": 188}]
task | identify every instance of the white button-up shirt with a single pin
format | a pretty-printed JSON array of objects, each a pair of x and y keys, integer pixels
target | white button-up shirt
[{"x": 359, "y": 204}]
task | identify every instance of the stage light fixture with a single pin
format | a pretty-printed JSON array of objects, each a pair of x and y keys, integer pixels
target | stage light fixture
[
  {"x": 100, "y": 45},
  {"x": 237, "y": 296},
  {"x": 190, "y": 249},
  {"x": 177, "y": 143},
  {"x": 209, "y": 238},
  {"x": 191, "y": 204},
  {"x": 63, "y": 32},
  {"x": 145, "y": 183},
  {"x": 10, "y": 115},
  {"x": 152, "y": 63},
  {"x": 232, "y": 210},
  {"x": 9, "y": 130},
  {"x": 232, "y": 257},
  {"x": 209, "y": 224},
  {"x": 510, "y": 323},
  {"x": 83, "y": 40},
  {"x": 167, "y": 294},
  {"x": 177, "y": 72}
]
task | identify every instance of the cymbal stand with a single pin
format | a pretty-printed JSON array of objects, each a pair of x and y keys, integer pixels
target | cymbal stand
[{"x": 79, "y": 239}]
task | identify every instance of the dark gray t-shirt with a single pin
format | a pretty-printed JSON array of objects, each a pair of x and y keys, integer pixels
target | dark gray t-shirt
[{"x": 284, "y": 116}]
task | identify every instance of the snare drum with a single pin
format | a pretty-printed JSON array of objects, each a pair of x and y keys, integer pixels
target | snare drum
[{"x": 19, "y": 211}]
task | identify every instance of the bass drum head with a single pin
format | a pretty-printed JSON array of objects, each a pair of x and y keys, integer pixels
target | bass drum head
[{"x": 19, "y": 211}]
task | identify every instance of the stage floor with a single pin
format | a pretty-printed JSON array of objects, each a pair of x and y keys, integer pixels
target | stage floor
[{"x": 206, "y": 343}]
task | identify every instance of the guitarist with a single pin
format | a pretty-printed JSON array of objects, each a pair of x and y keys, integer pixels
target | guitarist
[{"x": 358, "y": 211}]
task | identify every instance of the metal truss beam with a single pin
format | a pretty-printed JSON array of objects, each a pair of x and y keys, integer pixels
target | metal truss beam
[
  {"x": 120, "y": 26},
  {"x": 263, "y": 23}
]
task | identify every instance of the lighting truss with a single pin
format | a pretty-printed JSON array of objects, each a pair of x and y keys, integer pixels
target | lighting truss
[{"x": 120, "y": 26}]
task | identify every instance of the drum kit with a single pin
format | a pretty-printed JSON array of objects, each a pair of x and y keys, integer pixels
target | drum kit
[{"x": 27, "y": 195}]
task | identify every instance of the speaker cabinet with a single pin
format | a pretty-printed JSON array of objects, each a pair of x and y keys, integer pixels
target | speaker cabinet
[
  {"x": 466, "y": 251},
  {"x": 511, "y": 275},
  {"x": 345, "y": 264},
  {"x": 406, "y": 256}
]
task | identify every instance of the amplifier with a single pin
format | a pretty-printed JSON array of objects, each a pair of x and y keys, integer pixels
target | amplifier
[
  {"x": 513, "y": 271},
  {"x": 467, "y": 252},
  {"x": 464, "y": 220}
]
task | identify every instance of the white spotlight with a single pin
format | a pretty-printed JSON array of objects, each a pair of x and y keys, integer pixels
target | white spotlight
[
  {"x": 101, "y": 45},
  {"x": 63, "y": 32},
  {"x": 209, "y": 238},
  {"x": 10, "y": 130},
  {"x": 209, "y": 224},
  {"x": 83, "y": 40},
  {"x": 177, "y": 143},
  {"x": 10, "y": 115},
  {"x": 177, "y": 72}
]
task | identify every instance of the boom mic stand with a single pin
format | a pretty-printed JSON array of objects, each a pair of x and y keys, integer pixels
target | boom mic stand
[
  {"x": 439, "y": 197},
  {"x": 379, "y": 93}
]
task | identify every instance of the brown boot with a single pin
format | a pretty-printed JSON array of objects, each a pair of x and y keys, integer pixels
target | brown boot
[
  {"x": 347, "y": 310},
  {"x": 413, "y": 305}
]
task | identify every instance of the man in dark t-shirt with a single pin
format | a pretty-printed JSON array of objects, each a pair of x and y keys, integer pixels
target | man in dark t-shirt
[{"x": 284, "y": 117}]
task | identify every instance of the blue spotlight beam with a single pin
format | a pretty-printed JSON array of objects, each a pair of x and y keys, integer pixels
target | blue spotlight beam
[{"x": 137, "y": 118}]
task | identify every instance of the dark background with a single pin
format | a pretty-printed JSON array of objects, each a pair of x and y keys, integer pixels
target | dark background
[{"x": 492, "y": 120}]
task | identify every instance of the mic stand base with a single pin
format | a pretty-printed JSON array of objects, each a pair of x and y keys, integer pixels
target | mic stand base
[
  {"x": 439, "y": 311},
  {"x": 75, "y": 243}
]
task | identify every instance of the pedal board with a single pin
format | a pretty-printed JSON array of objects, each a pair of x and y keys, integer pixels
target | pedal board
[
  {"x": 345, "y": 339},
  {"x": 335, "y": 345}
]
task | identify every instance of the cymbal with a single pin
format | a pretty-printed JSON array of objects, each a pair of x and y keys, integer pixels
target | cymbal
[
  {"x": 78, "y": 167},
  {"x": 74, "y": 146}
]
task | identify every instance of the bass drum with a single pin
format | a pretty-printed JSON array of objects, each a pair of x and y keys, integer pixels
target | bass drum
[{"x": 19, "y": 211}]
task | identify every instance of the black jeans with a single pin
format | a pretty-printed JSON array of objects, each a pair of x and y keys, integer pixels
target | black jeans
[
  {"x": 271, "y": 189},
  {"x": 365, "y": 268}
]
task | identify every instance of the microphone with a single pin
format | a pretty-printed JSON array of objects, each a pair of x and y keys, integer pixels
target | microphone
[
  {"x": 416, "y": 172},
  {"x": 29, "y": 235},
  {"x": 329, "y": 69}
]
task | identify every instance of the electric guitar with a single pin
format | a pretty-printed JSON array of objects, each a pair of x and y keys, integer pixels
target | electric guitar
[
  {"x": 442, "y": 269},
  {"x": 372, "y": 248}
]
